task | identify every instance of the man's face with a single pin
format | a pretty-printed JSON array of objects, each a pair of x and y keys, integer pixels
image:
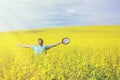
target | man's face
[{"x": 40, "y": 42}]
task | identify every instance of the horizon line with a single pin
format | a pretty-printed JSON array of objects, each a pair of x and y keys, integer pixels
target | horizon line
[{"x": 58, "y": 27}]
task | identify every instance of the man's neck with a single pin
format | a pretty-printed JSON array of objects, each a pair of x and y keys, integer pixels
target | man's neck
[{"x": 40, "y": 45}]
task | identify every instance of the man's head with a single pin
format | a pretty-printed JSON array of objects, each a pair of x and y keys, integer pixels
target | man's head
[{"x": 40, "y": 41}]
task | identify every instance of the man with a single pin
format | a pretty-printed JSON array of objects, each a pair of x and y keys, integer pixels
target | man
[{"x": 40, "y": 48}]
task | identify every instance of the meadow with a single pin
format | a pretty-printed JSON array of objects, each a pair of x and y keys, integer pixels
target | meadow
[{"x": 93, "y": 54}]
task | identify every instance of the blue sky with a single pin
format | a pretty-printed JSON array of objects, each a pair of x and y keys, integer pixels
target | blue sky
[{"x": 29, "y": 14}]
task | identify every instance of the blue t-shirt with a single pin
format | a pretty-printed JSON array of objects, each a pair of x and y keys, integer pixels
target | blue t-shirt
[{"x": 39, "y": 49}]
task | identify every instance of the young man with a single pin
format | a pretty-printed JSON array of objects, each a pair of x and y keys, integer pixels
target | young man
[{"x": 40, "y": 47}]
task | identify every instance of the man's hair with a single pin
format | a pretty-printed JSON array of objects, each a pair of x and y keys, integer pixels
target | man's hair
[{"x": 40, "y": 39}]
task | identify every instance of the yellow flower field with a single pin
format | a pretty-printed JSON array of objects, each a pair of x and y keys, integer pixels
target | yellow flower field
[{"x": 93, "y": 54}]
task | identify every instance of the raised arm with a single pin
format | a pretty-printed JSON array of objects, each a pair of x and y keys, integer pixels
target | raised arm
[
  {"x": 53, "y": 45},
  {"x": 24, "y": 45}
]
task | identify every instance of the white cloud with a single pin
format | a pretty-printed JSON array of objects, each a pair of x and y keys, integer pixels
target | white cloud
[
  {"x": 71, "y": 11},
  {"x": 32, "y": 13},
  {"x": 9, "y": 22}
]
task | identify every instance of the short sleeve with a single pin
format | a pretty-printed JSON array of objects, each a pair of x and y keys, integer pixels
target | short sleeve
[
  {"x": 46, "y": 47},
  {"x": 32, "y": 47}
]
